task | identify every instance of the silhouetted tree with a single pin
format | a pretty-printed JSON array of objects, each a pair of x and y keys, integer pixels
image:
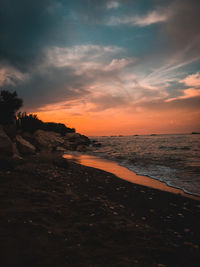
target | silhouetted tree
[{"x": 9, "y": 104}]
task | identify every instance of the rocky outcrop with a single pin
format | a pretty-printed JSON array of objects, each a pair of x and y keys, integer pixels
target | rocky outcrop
[
  {"x": 16, "y": 155},
  {"x": 6, "y": 148},
  {"x": 48, "y": 140},
  {"x": 81, "y": 148},
  {"x": 27, "y": 143},
  {"x": 95, "y": 143},
  {"x": 51, "y": 141},
  {"x": 61, "y": 149},
  {"x": 24, "y": 146},
  {"x": 10, "y": 130},
  {"x": 72, "y": 141}
]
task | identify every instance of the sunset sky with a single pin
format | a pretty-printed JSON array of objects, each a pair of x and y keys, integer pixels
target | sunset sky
[{"x": 105, "y": 67}]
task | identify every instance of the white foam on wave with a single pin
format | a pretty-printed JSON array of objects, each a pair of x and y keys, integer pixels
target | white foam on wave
[
  {"x": 161, "y": 178},
  {"x": 178, "y": 167}
]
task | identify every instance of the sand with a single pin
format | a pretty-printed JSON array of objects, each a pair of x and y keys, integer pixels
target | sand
[
  {"x": 124, "y": 173},
  {"x": 55, "y": 213}
]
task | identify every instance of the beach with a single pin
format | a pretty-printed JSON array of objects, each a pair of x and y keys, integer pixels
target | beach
[{"x": 60, "y": 213}]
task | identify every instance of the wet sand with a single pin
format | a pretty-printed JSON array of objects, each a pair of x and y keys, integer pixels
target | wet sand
[
  {"x": 124, "y": 173},
  {"x": 55, "y": 213}
]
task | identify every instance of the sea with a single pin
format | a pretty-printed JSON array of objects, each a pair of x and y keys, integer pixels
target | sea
[{"x": 173, "y": 159}]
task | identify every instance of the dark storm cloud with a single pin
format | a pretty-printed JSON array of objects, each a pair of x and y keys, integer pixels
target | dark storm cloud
[
  {"x": 27, "y": 28},
  {"x": 51, "y": 85}
]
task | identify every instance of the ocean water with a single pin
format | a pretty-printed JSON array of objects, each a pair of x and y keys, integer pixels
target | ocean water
[{"x": 173, "y": 159}]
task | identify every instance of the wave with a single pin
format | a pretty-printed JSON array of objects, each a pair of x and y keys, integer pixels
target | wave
[{"x": 174, "y": 160}]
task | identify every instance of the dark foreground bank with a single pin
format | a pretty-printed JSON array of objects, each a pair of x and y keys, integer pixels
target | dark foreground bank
[{"x": 55, "y": 213}]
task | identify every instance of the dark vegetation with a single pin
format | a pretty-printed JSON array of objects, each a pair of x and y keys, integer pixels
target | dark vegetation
[
  {"x": 10, "y": 103},
  {"x": 30, "y": 123}
]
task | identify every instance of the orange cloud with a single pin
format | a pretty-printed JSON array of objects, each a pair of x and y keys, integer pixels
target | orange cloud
[
  {"x": 192, "y": 80},
  {"x": 188, "y": 93}
]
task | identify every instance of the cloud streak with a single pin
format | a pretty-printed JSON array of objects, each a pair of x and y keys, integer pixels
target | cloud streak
[
  {"x": 112, "y": 4},
  {"x": 141, "y": 21}
]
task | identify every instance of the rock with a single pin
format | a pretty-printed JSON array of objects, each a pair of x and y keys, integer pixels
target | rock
[
  {"x": 96, "y": 144},
  {"x": 73, "y": 140},
  {"x": 61, "y": 149},
  {"x": 6, "y": 148},
  {"x": 81, "y": 148},
  {"x": 16, "y": 154},
  {"x": 48, "y": 140},
  {"x": 24, "y": 146},
  {"x": 28, "y": 137},
  {"x": 10, "y": 130}
]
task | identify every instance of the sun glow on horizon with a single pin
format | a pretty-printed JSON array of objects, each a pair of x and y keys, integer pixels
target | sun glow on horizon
[{"x": 119, "y": 122}]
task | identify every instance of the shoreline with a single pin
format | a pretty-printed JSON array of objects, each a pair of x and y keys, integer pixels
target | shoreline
[
  {"x": 59, "y": 213},
  {"x": 126, "y": 174}
]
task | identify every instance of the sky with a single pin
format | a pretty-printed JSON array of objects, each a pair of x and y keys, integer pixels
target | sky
[{"x": 104, "y": 67}]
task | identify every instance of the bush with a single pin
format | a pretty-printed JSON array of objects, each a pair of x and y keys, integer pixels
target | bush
[{"x": 30, "y": 123}]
